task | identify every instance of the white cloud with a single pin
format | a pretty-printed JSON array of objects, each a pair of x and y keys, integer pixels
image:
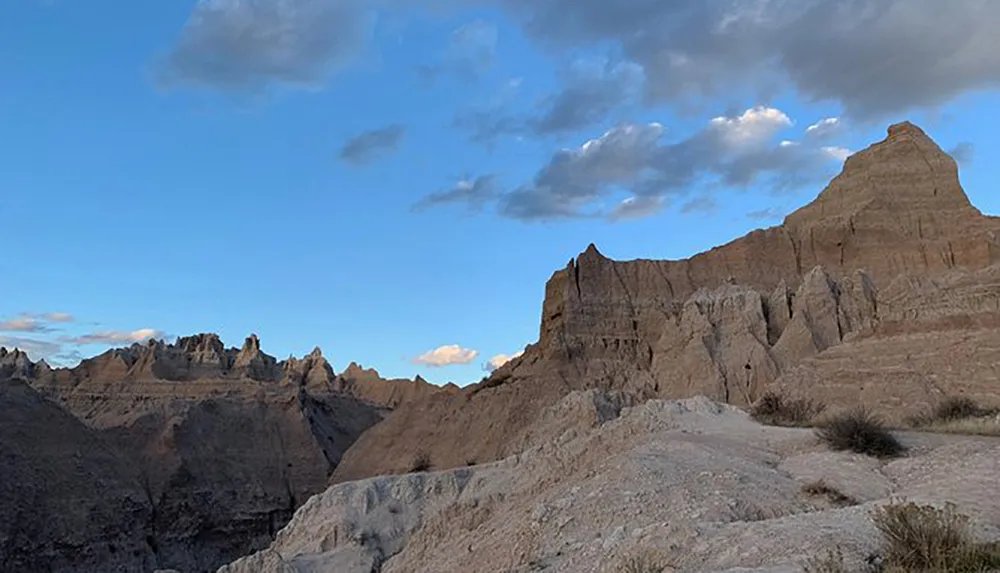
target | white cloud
[
  {"x": 728, "y": 152},
  {"x": 499, "y": 360},
  {"x": 57, "y": 317},
  {"x": 755, "y": 125},
  {"x": 636, "y": 208},
  {"x": 838, "y": 153},
  {"x": 118, "y": 337},
  {"x": 472, "y": 192},
  {"x": 824, "y": 127},
  {"x": 449, "y": 355}
]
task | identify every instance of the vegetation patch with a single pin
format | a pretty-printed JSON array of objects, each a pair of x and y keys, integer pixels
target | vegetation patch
[
  {"x": 774, "y": 409},
  {"x": 820, "y": 488},
  {"x": 421, "y": 462},
  {"x": 644, "y": 563},
  {"x": 959, "y": 415},
  {"x": 859, "y": 431},
  {"x": 918, "y": 539},
  {"x": 924, "y": 538},
  {"x": 830, "y": 562}
]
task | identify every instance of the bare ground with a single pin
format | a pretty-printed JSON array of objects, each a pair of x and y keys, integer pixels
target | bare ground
[{"x": 697, "y": 484}]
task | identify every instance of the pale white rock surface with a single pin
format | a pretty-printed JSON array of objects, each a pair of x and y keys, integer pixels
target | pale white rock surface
[{"x": 696, "y": 482}]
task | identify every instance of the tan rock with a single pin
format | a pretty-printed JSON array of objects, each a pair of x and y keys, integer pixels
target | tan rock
[
  {"x": 695, "y": 483},
  {"x": 225, "y": 442},
  {"x": 70, "y": 501},
  {"x": 890, "y": 247}
]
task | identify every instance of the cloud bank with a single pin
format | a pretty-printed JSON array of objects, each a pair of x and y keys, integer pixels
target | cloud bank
[{"x": 634, "y": 160}]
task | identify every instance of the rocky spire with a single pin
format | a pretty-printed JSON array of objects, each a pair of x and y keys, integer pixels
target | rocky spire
[
  {"x": 16, "y": 364},
  {"x": 251, "y": 363}
]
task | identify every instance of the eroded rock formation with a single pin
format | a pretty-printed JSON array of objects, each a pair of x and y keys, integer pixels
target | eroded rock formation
[
  {"x": 839, "y": 302},
  {"x": 222, "y": 444},
  {"x": 70, "y": 501}
]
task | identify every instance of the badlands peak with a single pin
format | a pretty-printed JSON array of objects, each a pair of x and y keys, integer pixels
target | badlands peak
[{"x": 905, "y": 175}]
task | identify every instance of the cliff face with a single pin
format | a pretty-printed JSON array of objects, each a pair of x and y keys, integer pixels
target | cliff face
[
  {"x": 223, "y": 444},
  {"x": 891, "y": 247},
  {"x": 70, "y": 501}
]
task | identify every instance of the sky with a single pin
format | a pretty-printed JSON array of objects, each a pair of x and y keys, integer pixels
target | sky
[{"x": 395, "y": 181}]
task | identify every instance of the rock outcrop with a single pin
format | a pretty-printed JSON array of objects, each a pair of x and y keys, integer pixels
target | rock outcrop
[
  {"x": 70, "y": 501},
  {"x": 16, "y": 364},
  {"x": 367, "y": 385},
  {"x": 226, "y": 443},
  {"x": 892, "y": 247},
  {"x": 693, "y": 483}
]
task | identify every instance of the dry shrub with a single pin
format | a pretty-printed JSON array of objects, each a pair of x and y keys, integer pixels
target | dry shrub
[
  {"x": 989, "y": 426},
  {"x": 960, "y": 408},
  {"x": 819, "y": 488},
  {"x": 859, "y": 431},
  {"x": 960, "y": 415},
  {"x": 775, "y": 410},
  {"x": 830, "y": 562},
  {"x": 421, "y": 462},
  {"x": 930, "y": 539},
  {"x": 644, "y": 563}
]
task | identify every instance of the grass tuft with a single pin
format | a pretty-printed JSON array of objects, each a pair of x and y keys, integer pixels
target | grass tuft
[
  {"x": 927, "y": 538},
  {"x": 820, "y": 488},
  {"x": 859, "y": 431},
  {"x": 775, "y": 410},
  {"x": 959, "y": 415},
  {"x": 644, "y": 563}
]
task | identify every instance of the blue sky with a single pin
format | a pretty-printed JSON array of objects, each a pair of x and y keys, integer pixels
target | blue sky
[{"x": 383, "y": 179}]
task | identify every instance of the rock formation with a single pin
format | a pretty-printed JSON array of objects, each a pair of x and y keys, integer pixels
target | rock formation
[
  {"x": 695, "y": 483},
  {"x": 70, "y": 501},
  {"x": 16, "y": 364},
  {"x": 367, "y": 385},
  {"x": 884, "y": 290},
  {"x": 850, "y": 292},
  {"x": 225, "y": 443}
]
